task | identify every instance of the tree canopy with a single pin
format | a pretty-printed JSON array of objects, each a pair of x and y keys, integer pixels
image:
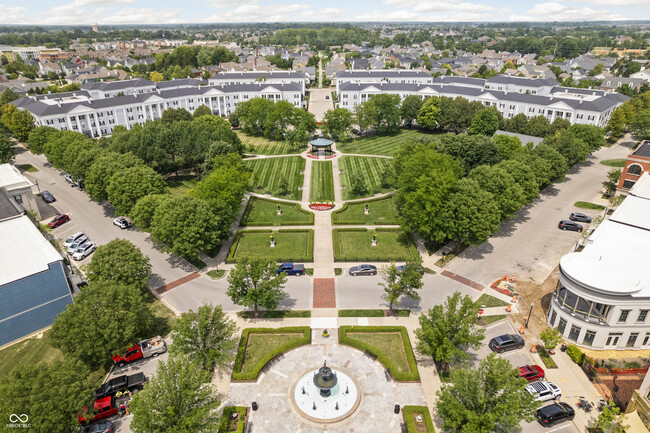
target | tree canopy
[
  {"x": 121, "y": 262},
  {"x": 397, "y": 284},
  {"x": 254, "y": 282}
]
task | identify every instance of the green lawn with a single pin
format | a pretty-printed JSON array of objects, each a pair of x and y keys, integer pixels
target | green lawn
[
  {"x": 260, "y": 344},
  {"x": 262, "y": 212},
  {"x": 371, "y": 168},
  {"x": 268, "y": 174},
  {"x": 181, "y": 186},
  {"x": 321, "y": 184},
  {"x": 291, "y": 245},
  {"x": 614, "y": 163},
  {"x": 381, "y": 144},
  {"x": 389, "y": 343},
  {"x": 216, "y": 273},
  {"x": 382, "y": 211},
  {"x": 264, "y": 146},
  {"x": 372, "y": 313},
  {"x": 489, "y": 301},
  {"x": 588, "y": 205},
  {"x": 27, "y": 167},
  {"x": 355, "y": 245},
  {"x": 30, "y": 351},
  {"x": 488, "y": 320}
]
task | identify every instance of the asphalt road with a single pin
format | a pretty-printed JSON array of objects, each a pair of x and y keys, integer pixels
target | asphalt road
[{"x": 318, "y": 105}]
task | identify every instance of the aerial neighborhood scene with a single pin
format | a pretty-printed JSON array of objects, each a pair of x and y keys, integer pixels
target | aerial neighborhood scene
[{"x": 347, "y": 217}]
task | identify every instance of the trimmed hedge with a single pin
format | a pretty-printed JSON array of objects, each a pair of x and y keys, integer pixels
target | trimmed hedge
[
  {"x": 241, "y": 351},
  {"x": 400, "y": 376},
  {"x": 249, "y": 208},
  {"x": 225, "y": 418},
  {"x": 409, "y": 411},
  {"x": 372, "y": 313}
]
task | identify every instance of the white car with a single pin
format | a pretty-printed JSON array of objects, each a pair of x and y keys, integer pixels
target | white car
[
  {"x": 544, "y": 391},
  {"x": 70, "y": 240},
  {"x": 122, "y": 222},
  {"x": 84, "y": 251},
  {"x": 77, "y": 243}
]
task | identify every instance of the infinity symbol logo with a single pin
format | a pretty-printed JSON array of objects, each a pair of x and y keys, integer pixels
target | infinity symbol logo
[{"x": 18, "y": 418}]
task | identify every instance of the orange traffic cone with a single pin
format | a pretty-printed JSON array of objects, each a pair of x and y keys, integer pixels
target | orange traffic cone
[
  {"x": 521, "y": 330},
  {"x": 513, "y": 300},
  {"x": 533, "y": 349},
  {"x": 509, "y": 308}
]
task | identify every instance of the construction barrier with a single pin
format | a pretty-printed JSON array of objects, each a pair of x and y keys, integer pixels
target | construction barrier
[
  {"x": 521, "y": 330},
  {"x": 509, "y": 308},
  {"x": 533, "y": 349},
  {"x": 513, "y": 300}
]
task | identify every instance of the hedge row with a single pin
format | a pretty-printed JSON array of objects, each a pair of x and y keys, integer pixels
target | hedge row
[
  {"x": 410, "y": 411},
  {"x": 249, "y": 208},
  {"x": 225, "y": 418},
  {"x": 237, "y": 374},
  {"x": 411, "y": 376}
]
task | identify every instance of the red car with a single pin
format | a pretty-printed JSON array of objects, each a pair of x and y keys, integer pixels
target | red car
[
  {"x": 531, "y": 373},
  {"x": 58, "y": 220}
]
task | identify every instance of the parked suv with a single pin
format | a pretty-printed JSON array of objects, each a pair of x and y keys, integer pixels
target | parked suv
[
  {"x": 77, "y": 244},
  {"x": 531, "y": 372},
  {"x": 577, "y": 216},
  {"x": 555, "y": 413},
  {"x": 58, "y": 220},
  {"x": 506, "y": 342},
  {"x": 84, "y": 251},
  {"x": 569, "y": 225},
  {"x": 72, "y": 238},
  {"x": 544, "y": 391}
]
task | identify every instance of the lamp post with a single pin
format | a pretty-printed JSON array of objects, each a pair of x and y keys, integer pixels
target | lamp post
[{"x": 532, "y": 304}]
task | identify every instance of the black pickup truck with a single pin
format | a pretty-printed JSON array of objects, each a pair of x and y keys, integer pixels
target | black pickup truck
[{"x": 121, "y": 383}]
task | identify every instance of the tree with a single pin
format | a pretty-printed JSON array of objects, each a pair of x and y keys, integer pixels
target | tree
[
  {"x": 156, "y": 77},
  {"x": 639, "y": 126},
  {"x": 278, "y": 119},
  {"x": 172, "y": 115},
  {"x": 571, "y": 147},
  {"x": 362, "y": 117},
  {"x": 611, "y": 420},
  {"x": 51, "y": 394},
  {"x": 611, "y": 183},
  {"x": 397, "y": 284},
  {"x": 21, "y": 124},
  {"x": 178, "y": 398},
  {"x": 185, "y": 226},
  {"x": 205, "y": 336},
  {"x": 8, "y": 96},
  {"x": 6, "y": 149},
  {"x": 384, "y": 112},
  {"x": 358, "y": 184},
  {"x": 38, "y": 137},
  {"x": 410, "y": 108},
  {"x": 103, "y": 168},
  {"x": 485, "y": 122},
  {"x": 144, "y": 210},
  {"x": 121, "y": 262},
  {"x": 593, "y": 136},
  {"x": 617, "y": 122},
  {"x": 537, "y": 126},
  {"x": 557, "y": 162},
  {"x": 105, "y": 317},
  {"x": 508, "y": 146},
  {"x": 448, "y": 330},
  {"x": 508, "y": 194},
  {"x": 127, "y": 186},
  {"x": 338, "y": 123},
  {"x": 491, "y": 398},
  {"x": 551, "y": 337},
  {"x": 203, "y": 110},
  {"x": 255, "y": 282},
  {"x": 429, "y": 114}
]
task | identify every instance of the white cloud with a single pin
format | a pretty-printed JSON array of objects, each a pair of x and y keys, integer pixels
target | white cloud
[
  {"x": 12, "y": 15},
  {"x": 451, "y": 7},
  {"x": 404, "y": 15},
  {"x": 66, "y": 14},
  {"x": 253, "y": 12},
  {"x": 553, "y": 11},
  {"x": 81, "y": 3},
  {"x": 143, "y": 16},
  {"x": 326, "y": 14},
  {"x": 615, "y": 3}
]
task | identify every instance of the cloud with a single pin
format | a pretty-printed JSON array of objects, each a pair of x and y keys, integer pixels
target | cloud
[
  {"x": 457, "y": 7},
  {"x": 82, "y": 3},
  {"x": 66, "y": 14},
  {"x": 411, "y": 16},
  {"x": 253, "y": 12},
  {"x": 143, "y": 16},
  {"x": 615, "y": 3},
  {"x": 12, "y": 15},
  {"x": 553, "y": 11}
]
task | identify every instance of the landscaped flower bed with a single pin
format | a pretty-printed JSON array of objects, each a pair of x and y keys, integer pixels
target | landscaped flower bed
[
  {"x": 503, "y": 290},
  {"x": 321, "y": 206}
]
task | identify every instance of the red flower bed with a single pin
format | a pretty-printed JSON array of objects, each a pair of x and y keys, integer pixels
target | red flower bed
[
  {"x": 496, "y": 287},
  {"x": 330, "y": 156},
  {"x": 321, "y": 206}
]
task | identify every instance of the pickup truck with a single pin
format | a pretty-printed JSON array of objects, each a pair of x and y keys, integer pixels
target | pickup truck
[
  {"x": 103, "y": 408},
  {"x": 291, "y": 269},
  {"x": 121, "y": 383},
  {"x": 144, "y": 349}
]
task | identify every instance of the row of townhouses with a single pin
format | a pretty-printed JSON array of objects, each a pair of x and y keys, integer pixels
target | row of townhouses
[
  {"x": 99, "y": 107},
  {"x": 509, "y": 95}
]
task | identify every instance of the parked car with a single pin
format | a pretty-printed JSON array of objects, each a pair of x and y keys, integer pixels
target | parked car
[
  {"x": 291, "y": 269},
  {"x": 363, "y": 270},
  {"x": 70, "y": 240},
  {"x": 84, "y": 251},
  {"x": 99, "y": 427},
  {"x": 577, "y": 216},
  {"x": 76, "y": 244},
  {"x": 544, "y": 391},
  {"x": 144, "y": 349},
  {"x": 506, "y": 342},
  {"x": 48, "y": 197},
  {"x": 69, "y": 179},
  {"x": 569, "y": 225},
  {"x": 401, "y": 268},
  {"x": 58, "y": 220},
  {"x": 554, "y": 413},
  {"x": 122, "y": 222},
  {"x": 531, "y": 372},
  {"x": 121, "y": 383}
]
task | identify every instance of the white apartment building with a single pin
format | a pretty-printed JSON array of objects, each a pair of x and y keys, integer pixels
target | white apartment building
[
  {"x": 602, "y": 297},
  {"x": 97, "y": 116},
  {"x": 253, "y": 77},
  {"x": 509, "y": 95},
  {"x": 399, "y": 76}
]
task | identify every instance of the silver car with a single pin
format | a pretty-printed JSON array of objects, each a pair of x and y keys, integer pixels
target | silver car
[
  {"x": 84, "y": 251},
  {"x": 72, "y": 238},
  {"x": 77, "y": 243}
]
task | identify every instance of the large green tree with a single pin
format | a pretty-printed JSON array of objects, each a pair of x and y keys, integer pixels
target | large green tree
[
  {"x": 178, "y": 398},
  {"x": 557, "y": 162},
  {"x": 571, "y": 147},
  {"x": 447, "y": 331},
  {"x": 105, "y": 317},
  {"x": 508, "y": 146},
  {"x": 102, "y": 170},
  {"x": 410, "y": 108},
  {"x": 611, "y": 183},
  {"x": 397, "y": 284},
  {"x": 121, "y": 262},
  {"x": 490, "y": 398},
  {"x": 429, "y": 114},
  {"x": 639, "y": 126},
  {"x": 205, "y": 336},
  {"x": 485, "y": 122},
  {"x": 127, "y": 186},
  {"x": 254, "y": 282},
  {"x": 38, "y": 137},
  {"x": 384, "y": 112},
  {"x": 144, "y": 210},
  {"x": 508, "y": 194},
  {"x": 6, "y": 149},
  {"x": 617, "y": 122},
  {"x": 592, "y": 135},
  {"x": 338, "y": 123}
]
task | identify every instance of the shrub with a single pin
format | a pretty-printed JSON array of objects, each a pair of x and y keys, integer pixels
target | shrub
[
  {"x": 551, "y": 338},
  {"x": 409, "y": 411},
  {"x": 225, "y": 417},
  {"x": 239, "y": 360},
  {"x": 575, "y": 354}
]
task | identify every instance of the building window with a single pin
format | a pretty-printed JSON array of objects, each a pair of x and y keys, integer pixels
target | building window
[
  {"x": 612, "y": 339},
  {"x": 589, "y": 338},
  {"x": 642, "y": 315},
  {"x": 623, "y": 317},
  {"x": 634, "y": 169},
  {"x": 574, "y": 333},
  {"x": 628, "y": 184},
  {"x": 645, "y": 339},
  {"x": 631, "y": 341},
  {"x": 561, "y": 326},
  {"x": 553, "y": 317},
  {"x": 18, "y": 198}
]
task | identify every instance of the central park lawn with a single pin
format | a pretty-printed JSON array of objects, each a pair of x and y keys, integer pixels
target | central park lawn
[
  {"x": 382, "y": 211},
  {"x": 267, "y": 174},
  {"x": 262, "y": 212},
  {"x": 264, "y": 146},
  {"x": 291, "y": 245},
  {"x": 389, "y": 343},
  {"x": 261, "y": 344},
  {"x": 321, "y": 184},
  {"x": 371, "y": 168},
  {"x": 354, "y": 245},
  {"x": 381, "y": 144}
]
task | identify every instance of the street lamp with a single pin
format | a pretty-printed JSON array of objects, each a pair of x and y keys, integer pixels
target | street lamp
[{"x": 532, "y": 304}]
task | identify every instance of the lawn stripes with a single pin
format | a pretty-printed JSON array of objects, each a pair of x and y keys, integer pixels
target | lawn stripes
[
  {"x": 271, "y": 171},
  {"x": 371, "y": 168},
  {"x": 321, "y": 182},
  {"x": 382, "y": 145}
]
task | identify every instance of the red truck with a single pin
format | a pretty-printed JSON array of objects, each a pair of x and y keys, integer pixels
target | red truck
[
  {"x": 104, "y": 408},
  {"x": 144, "y": 349}
]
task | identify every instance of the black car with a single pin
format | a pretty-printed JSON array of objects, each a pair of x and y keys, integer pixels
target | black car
[
  {"x": 363, "y": 270},
  {"x": 577, "y": 216},
  {"x": 506, "y": 342},
  {"x": 99, "y": 427},
  {"x": 48, "y": 197},
  {"x": 569, "y": 225},
  {"x": 554, "y": 413}
]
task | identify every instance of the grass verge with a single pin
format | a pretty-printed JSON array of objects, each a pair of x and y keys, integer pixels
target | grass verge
[
  {"x": 264, "y": 212},
  {"x": 489, "y": 301},
  {"x": 588, "y": 205},
  {"x": 227, "y": 424},
  {"x": 381, "y": 211},
  {"x": 619, "y": 163},
  {"x": 488, "y": 320},
  {"x": 216, "y": 273},
  {"x": 412, "y": 426},
  {"x": 546, "y": 358},
  {"x": 275, "y": 314},
  {"x": 356, "y": 245},
  {"x": 338, "y": 271},
  {"x": 28, "y": 168},
  {"x": 372, "y": 313},
  {"x": 291, "y": 245}
]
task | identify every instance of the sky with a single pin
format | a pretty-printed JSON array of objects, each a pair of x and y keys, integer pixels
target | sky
[{"x": 84, "y": 12}]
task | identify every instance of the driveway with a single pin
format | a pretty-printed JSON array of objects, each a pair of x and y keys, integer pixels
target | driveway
[{"x": 318, "y": 105}]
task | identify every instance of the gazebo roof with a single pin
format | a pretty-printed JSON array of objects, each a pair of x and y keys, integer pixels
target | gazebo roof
[{"x": 321, "y": 142}]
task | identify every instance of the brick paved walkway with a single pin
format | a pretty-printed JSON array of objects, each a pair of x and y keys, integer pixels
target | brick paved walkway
[
  {"x": 463, "y": 280},
  {"x": 324, "y": 293},
  {"x": 174, "y": 284}
]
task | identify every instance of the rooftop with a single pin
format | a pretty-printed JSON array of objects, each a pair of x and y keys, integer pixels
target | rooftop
[
  {"x": 643, "y": 150},
  {"x": 11, "y": 178}
]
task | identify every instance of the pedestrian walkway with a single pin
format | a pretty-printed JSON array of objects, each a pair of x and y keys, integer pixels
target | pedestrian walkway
[
  {"x": 174, "y": 284},
  {"x": 463, "y": 280},
  {"x": 324, "y": 293}
]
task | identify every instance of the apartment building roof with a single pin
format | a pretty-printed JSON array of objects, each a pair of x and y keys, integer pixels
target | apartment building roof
[
  {"x": 255, "y": 75},
  {"x": 389, "y": 73},
  {"x": 107, "y": 86}
]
